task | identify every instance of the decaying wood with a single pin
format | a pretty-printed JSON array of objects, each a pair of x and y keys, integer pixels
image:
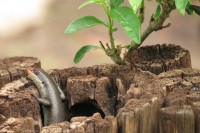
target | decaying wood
[
  {"x": 139, "y": 116},
  {"x": 196, "y": 109},
  {"x": 182, "y": 86},
  {"x": 16, "y": 102},
  {"x": 177, "y": 119},
  {"x": 89, "y": 88},
  {"x": 141, "y": 101},
  {"x": 181, "y": 101},
  {"x": 19, "y": 125},
  {"x": 159, "y": 58},
  {"x": 93, "y": 124},
  {"x": 144, "y": 99},
  {"x": 13, "y": 68}
]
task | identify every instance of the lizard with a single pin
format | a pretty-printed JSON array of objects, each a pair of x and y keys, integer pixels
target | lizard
[{"x": 51, "y": 96}]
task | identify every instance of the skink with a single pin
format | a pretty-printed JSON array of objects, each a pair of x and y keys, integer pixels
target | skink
[{"x": 51, "y": 97}]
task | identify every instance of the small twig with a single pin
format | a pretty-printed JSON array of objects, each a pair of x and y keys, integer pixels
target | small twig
[
  {"x": 108, "y": 46},
  {"x": 163, "y": 27},
  {"x": 154, "y": 25},
  {"x": 102, "y": 45}
]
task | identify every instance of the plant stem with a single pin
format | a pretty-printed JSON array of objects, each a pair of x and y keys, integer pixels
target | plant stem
[
  {"x": 112, "y": 52},
  {"x": 112, "y": 42},
  {"x": 154, "y": 25}
]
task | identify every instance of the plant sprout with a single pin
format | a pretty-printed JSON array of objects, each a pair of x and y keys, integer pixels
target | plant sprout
[{"x": 130, "y": 19}]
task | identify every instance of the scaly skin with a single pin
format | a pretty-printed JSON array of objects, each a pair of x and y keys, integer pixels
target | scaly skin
[
  {"x": 43, "y": 94},
  {"x": 51, "y": 97}
]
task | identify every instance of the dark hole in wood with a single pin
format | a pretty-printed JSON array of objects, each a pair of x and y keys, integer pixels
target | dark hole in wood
[
  {"x": 87, "y": 108},
  {"x": 42, "y": 115}
]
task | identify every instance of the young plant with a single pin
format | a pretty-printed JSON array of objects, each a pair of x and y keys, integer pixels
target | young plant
[{"x": 130, "y": 19}]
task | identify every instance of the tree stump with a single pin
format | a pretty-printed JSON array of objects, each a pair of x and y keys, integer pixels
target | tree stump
[
  {"x": 159, "y": 58},
  {"x": 109, "y": 86},
  {"x": 138, "y": 101}
]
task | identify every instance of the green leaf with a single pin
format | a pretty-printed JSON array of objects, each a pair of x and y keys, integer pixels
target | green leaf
[
  {"x": 115, "y": 29},
  {"x": 181, "y": 5},
  {"x": 158, "y": 12},
  {"x": 189, "y": 11},
  {"x": 128, "y": 21},
  {"x": 135, "y": 4},
  {"x": 83, "y": 23},
  {"x": 196, "y": 9},
  {"x": 82, "y": 51},
  {"x": 115, "y": 3},
  {"x": 89, "y": 2}
]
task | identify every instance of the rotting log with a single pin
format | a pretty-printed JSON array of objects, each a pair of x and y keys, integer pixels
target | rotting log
[
  {"x": 159, "y": 58},
  {"x": 13, "y": 68},
  {"x": 177, "y": 119}
]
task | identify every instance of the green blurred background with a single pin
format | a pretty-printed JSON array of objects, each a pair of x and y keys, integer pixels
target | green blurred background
[{"x": 37, "y": 29}]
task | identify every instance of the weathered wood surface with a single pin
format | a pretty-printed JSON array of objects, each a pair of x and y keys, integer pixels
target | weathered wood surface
[
  {"x": 91, "y": 90},
  {"x": 16, "y": 102},
  {"x": 181, "y": 113},
  {"x": 19, "y": 111},
  {"x": 101, "y": 86},
  {"x": 196, "y": 109},
  {"x": 159, "y": 58},
  {"x": 93, "y": 124},
  {"x": 177, "y": 119},
  {"x": 141, "y": 101},
  {"x": 13, "y": 68},
  {"x": 19, "y": 125}
]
